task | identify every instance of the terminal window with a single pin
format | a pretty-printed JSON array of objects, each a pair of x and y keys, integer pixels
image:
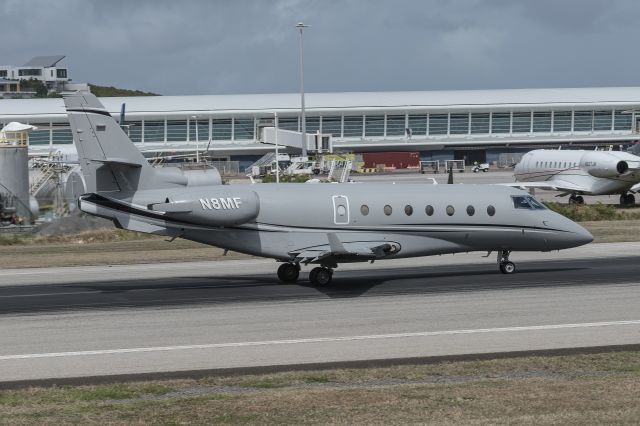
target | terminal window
[
  {"x": 312, "y": 124},
  {"x": 582, "y": 121},
  {"x": 243, "y": 128},
  {"x": 521, "y": 122},
  {"x": 288, "y": 123},
  {"x": 622, "y": 121},
  {"x": 459, "y": 124},
  {"x": 61, "y": 134},
  {"x": 154, "y": 131},
  {"x": 332, "y": 125},
  {"x": 542, "y": 121},
  {"x": 562, "y": 121},
  {"x": 480, "y": 122},
  {"x": 501, "y": 122},
  {"x": 602, "y": 120},
  {"x": 395, "y": 125},
  {"x": 353, "y": 126},
  {"x": 176, "y": 130},
  {"x": 135, "y": 130},
  {"x": 418, "y": 124},
  {"x": 202, "y": 132},
  {"x": 221, "y": 129},
  {"x": 438, "y": 124},
  {"x": 374, "y": 125}
]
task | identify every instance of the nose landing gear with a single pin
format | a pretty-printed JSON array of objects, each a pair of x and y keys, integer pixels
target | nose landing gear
[
  {"x": 627, "y": 199},
  {"x": 506, "y": 267},
  {"x": 576, "y": 199}
]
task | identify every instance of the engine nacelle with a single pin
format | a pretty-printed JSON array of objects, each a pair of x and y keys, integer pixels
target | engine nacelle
[
  {"x": 218, "y": 207},
  {"x": 190, "y": 178},
  {"x": 603, "y": 165}
]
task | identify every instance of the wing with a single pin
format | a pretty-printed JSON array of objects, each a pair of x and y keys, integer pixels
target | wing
[
  {"x": 549, "y": 185},
  {"x": 335, "y": 250}
]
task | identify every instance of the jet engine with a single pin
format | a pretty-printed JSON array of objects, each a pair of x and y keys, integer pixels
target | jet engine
[
  {"x": 219, "y": 207},
  {"x": 190, "y": 178},
  {"x": 603, "y": 165}
]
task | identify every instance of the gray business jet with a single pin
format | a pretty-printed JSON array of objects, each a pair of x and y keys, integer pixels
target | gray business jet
[{"x": 300, "y": 224}]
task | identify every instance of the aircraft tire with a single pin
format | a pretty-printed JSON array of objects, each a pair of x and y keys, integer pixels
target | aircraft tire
[
  {"x": 507, "y": 267},
  {"x": 627, "y": 200},
  {"x": 288, "y": 273},
  {"x": 320, "y": 277},
  {"x": 580, "y": 200}
]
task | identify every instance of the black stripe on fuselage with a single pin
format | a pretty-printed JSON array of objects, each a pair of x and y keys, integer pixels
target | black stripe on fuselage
[
  {"x": 90, "y": 111},
  {"x": 124, "y": 208}
]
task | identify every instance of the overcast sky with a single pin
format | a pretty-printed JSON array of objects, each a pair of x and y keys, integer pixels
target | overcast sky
[{"x": 251, "y": 46}]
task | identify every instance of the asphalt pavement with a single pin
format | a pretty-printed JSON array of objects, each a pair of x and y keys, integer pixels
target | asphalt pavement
[{"x": 101, "y": 321}]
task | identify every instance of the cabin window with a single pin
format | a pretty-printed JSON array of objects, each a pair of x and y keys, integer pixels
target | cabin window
[
  {"x": 565, "y": 165},
  {"x": 388, "y": 210},
  {"x": 491, "y": 210},
  {"x": 429, "y": 210},
  {"x": 408, "y": 210},
  {"x": 364, "y": 209},
  {"x": 450, "y": 210},
  {"x": 526, "y": 202},
  {"x": 471, "y": 211}
]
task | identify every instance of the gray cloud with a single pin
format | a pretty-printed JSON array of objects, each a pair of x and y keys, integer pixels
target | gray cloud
[{"x": 243, "y": 46}]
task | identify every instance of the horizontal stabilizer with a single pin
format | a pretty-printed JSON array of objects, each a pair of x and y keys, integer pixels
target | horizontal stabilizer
[{"x": 116, "y": 162}]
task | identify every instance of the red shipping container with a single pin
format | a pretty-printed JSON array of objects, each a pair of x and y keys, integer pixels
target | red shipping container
[{"x": 399, "y": 160}]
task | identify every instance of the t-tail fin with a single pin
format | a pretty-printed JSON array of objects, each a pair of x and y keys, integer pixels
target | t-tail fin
[{"x": 109, "y": 160}]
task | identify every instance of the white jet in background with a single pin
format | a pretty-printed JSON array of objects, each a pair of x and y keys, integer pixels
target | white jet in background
[{"x": 578, "y": 172}]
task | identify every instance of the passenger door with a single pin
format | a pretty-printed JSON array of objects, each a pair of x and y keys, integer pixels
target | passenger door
[{"x": 340, "y": 210}]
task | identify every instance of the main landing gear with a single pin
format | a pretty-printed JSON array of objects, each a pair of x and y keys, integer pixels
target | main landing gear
[
  {"x": 627, "y": 200},
  {"x": 506, "y": 267},
  {"x": 319, "y": 277},
  {"x": 289, "y": 272},
  {"x": 576, "y": 199}
]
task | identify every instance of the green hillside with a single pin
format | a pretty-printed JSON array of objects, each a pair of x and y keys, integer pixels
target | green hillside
[{"x": 106, "y": 91}]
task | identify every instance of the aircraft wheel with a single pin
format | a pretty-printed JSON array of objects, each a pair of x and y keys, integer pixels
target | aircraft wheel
[
  {"x": 320, "y": 277},
  {"x": 627, "y": 200},
  {"x": 288, "y": 272},
  {"x": 507, "y": 267},
  {"x": 579, "y": 200}
]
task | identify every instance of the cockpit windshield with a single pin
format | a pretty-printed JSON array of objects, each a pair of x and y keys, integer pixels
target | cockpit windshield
[{"x": 526, "y": 202}]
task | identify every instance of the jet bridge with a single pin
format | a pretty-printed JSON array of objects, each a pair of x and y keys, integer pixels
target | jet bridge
[{"x": 316, "y": 142}]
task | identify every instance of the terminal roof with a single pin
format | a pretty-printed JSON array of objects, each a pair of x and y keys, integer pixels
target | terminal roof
[{"x": 356, "y": 102}]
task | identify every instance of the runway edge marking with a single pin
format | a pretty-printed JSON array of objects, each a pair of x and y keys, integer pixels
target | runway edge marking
[{"x": 316, "y": 340}]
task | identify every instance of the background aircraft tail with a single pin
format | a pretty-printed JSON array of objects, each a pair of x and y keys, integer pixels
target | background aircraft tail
[{"x": 108, "y": 159}]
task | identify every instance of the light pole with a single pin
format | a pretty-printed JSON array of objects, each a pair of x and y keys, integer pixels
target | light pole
[
  {"x": 303, "y": 120},
  {"x": 275, "y": 122}
]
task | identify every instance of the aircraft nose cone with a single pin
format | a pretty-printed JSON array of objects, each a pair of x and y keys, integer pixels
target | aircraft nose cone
[
  {"x": 582, "y": 237},
  {"x": 577, "y": 235}
]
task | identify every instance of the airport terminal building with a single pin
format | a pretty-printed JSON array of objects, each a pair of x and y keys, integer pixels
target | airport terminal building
[{"x": 432, "y": 122}]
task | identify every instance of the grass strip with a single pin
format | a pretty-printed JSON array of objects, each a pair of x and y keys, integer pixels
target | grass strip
[{"x": 575, "y": 389}]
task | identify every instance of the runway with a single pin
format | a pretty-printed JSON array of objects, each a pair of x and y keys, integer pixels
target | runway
[{"x": 96, "y": 321}]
